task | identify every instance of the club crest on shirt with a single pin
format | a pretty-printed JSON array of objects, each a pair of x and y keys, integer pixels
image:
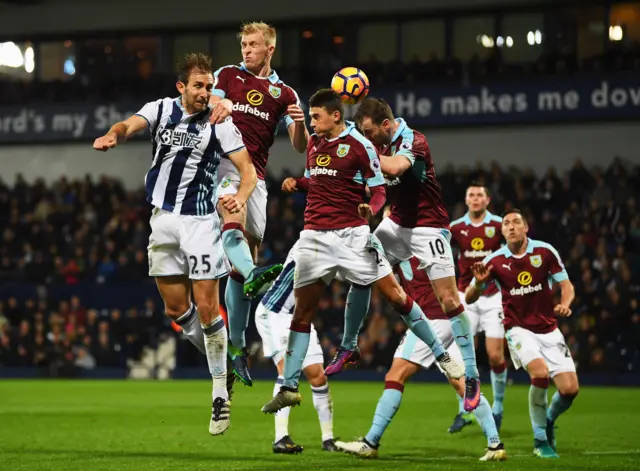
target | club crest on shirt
[
  {"x": 490, "y": 231},
  {"x": 225, "y": 182},
  {"x": 536, "y": 260},
  {"x": 275, "y": 91},
  {"x": 343, "y": 149}
]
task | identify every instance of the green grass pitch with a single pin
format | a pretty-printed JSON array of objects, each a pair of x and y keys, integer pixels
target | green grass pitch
[{"x": 127, "y": 425}]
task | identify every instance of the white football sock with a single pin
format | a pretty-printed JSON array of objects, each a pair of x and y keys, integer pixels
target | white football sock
[
  {"x": 324, "y": 406},
  {"x": 282, "y": 416},
  {"x": 215, "y": 342}
]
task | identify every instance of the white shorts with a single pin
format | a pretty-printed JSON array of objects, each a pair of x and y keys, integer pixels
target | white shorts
[
  {"x": 430, "y": 245},
  {"x": 486, "y": 315},
  {"x": 274, "y": 331},
  {"x": 526, "y": 346},
  {"x": 413, "y": 349},
  {"x": 186, "y": 245},
  {"x": 229, "y": 182},
  {"x": 352, "y": 254}
]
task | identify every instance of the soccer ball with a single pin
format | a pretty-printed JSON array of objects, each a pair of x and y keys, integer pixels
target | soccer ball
[{"x": 351, "y": 84}]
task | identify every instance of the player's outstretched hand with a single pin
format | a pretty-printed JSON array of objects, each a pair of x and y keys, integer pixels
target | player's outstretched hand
[
  {"x": 219, "y": 113},
  {"x": 562, "y": 311},
  {"x": 481, "y": 272},
  {"x": 295, "y": 113},
  {"x": 106, "y": 142},
  {"x": 231, "y": 204},
  {"x": 289, "y": 185},
  {"x": 365, "y": 211}
]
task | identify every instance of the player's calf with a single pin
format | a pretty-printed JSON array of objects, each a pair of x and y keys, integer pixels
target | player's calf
[
  {"x": 562, "y": 400},
  {"x": 321, "y": 395},
  {"x": 415, "y": 319}
]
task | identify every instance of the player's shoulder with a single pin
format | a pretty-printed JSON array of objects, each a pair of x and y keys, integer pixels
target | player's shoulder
[
  {"x": 286, "y": 88},
  {"x": 543, "y": 247},
  {"x": 493, "y": 219},
  {"x": 354, "y": 137},
  {"x": 460, "y": 223},
  {"x": 228, "y": 69},
  {"x": 499, "y": 254}
]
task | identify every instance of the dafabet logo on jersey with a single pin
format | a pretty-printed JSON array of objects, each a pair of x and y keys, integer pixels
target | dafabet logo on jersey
[
  {"x": 254, "y": 99},
  {"x": 320, "y": 169},
  {"x": 477, "y": 244},
  {"x": 323, "y": 160},
  {"x": 524, "y": 279}
]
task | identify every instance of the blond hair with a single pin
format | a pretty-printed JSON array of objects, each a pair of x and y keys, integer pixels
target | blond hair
[{"x": 268, "y": 32}]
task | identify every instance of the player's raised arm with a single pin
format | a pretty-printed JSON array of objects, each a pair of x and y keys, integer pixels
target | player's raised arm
[
  {"x": 120, "y": 132},
  {"x": 481, "y": 279},
  {"x": 296, "y": 126}
]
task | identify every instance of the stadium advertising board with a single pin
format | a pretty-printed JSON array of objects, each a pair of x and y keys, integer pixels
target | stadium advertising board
[{"x": 569, "y": 100}]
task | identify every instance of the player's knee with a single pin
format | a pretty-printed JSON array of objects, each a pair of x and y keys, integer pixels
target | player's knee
[
  {"x": 496, "y": 360},
  {"x": 318, "y": 380},
  {"x": 398, "y": 298},
  {"x": 450, "y": 302},
  {"x": 394, "y": 375},
  {"x": 175, "y": 309},
  {"x": 570, "y": 389}
]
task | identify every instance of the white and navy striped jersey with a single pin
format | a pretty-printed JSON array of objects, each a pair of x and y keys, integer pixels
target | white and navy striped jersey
[
  {"x": 279, "y": 298},
  {"x": 186, "y": 154}
]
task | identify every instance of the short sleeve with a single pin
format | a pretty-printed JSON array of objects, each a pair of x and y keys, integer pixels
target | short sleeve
[
  {"x": 220, "y": 82},
  {"x": 150, "y": 112},
  {"x": 371, "y": 166},
  {"x": 406, "y": 150},
  {"x": 286, "y": 119},
  {"x": 556, "y": 268},
  {"x": 229, "y": 137}
]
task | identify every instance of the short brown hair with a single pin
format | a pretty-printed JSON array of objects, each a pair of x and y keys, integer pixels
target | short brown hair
[
  {"x": 268, "y": 32},
  {"x": 477, "y": 184},
  {"x": 374, "y": 108},
  {"x": 193, "y": 61},
  {"x": 329, "y": 100}
]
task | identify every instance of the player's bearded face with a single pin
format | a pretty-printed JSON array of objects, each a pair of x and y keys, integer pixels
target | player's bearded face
[
  {"x": 196, "y": 93},
  {"x": 477, "y": 199},
  {"x": 514, "y": 227},
  {"x": 378, "y": 134}
]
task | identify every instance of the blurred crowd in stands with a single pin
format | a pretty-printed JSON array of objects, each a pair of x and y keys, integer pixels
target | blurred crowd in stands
[
  {"x": 99, "y": 83},
  {"x": 86, "y": 231}
]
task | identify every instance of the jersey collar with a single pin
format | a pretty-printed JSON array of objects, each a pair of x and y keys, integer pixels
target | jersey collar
[
  {"x": 178, "y": 100},
  {"x": 350, "y": 126},
  {"x": 401, "y": 127},
  {"x": 467, "y": 218},
  {"x": 273, "y": 76},
  {"x": 530, "y": 247}
]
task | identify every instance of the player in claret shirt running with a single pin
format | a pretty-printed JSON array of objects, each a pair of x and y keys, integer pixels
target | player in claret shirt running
[
  {"x": 260, "y": 102},
  {"x": 524, "y": 271},
  {"x": 336, "y": 240},
  {"x": 477, "y": 234},
  {"x": 416, "y": 227}
]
